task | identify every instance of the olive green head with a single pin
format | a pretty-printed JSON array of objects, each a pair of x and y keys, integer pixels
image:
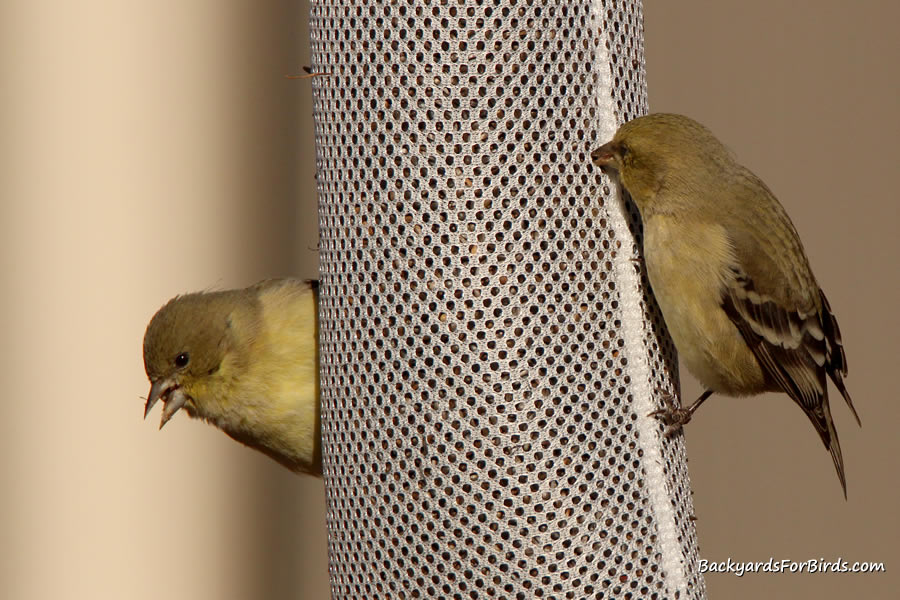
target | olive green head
[
  {"x": 186, "y": 337},
  {"x": 185, "y": 344},
  {"x": 647, "y": 151}
]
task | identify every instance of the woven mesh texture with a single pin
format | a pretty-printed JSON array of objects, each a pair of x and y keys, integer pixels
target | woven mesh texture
[{"x": 480, "y": 433}]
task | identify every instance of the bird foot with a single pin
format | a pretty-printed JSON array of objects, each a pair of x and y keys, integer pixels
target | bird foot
[{"x": 673, "y": 416}]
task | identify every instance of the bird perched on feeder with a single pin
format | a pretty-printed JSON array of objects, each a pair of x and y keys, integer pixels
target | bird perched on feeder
[
  {"x": 245, "y": 361},
  {"x": 729, "y": 272}
]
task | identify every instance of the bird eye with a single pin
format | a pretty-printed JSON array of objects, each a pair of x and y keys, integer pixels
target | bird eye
[
  {"x": 182, "y": 360},
  {"x": 623, "y": 150}
]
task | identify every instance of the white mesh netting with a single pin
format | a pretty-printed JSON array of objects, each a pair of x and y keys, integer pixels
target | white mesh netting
[{"x": 489, "y": 355}]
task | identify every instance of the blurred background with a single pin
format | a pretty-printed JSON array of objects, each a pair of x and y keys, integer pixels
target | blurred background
[{"x": 154, "y": 148}]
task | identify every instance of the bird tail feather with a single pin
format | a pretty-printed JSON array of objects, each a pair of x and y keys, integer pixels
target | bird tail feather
[{"x": 834, "y": 445}]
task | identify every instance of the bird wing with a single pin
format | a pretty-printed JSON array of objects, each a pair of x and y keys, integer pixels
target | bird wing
[
  {"x": 795, "y": 348},
  {"x": 836, "y": 359},
  {"x": 788, "y": 343}
]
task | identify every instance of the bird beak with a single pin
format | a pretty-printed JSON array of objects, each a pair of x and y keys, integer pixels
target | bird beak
[
  {"x": 604, "y": 156},
  {"x": 170, "y": 393},
  {"x": 158, "y": 389}
]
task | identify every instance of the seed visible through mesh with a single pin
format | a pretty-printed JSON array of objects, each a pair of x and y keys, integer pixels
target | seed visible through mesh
[{"x": 478, "y": 430}]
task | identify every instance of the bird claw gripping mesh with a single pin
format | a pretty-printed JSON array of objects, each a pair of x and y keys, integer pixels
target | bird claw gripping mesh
[{"x": 489, "y": 353}]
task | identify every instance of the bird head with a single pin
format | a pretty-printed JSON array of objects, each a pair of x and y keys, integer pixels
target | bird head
[
  {"x": 184, "y": 346},
  {"x": 647, "y": 151}
]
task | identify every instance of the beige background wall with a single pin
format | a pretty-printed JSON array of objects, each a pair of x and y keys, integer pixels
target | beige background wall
[{"x": 151, "y": 148}]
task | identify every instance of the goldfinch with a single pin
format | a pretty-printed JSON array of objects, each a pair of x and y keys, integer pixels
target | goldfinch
[
  {"x": 245, "y": 361},
  {"x": 728, "y": 270}
]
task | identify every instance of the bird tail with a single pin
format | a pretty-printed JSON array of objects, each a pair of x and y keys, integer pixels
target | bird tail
[{"x": 825, "y": 426}]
